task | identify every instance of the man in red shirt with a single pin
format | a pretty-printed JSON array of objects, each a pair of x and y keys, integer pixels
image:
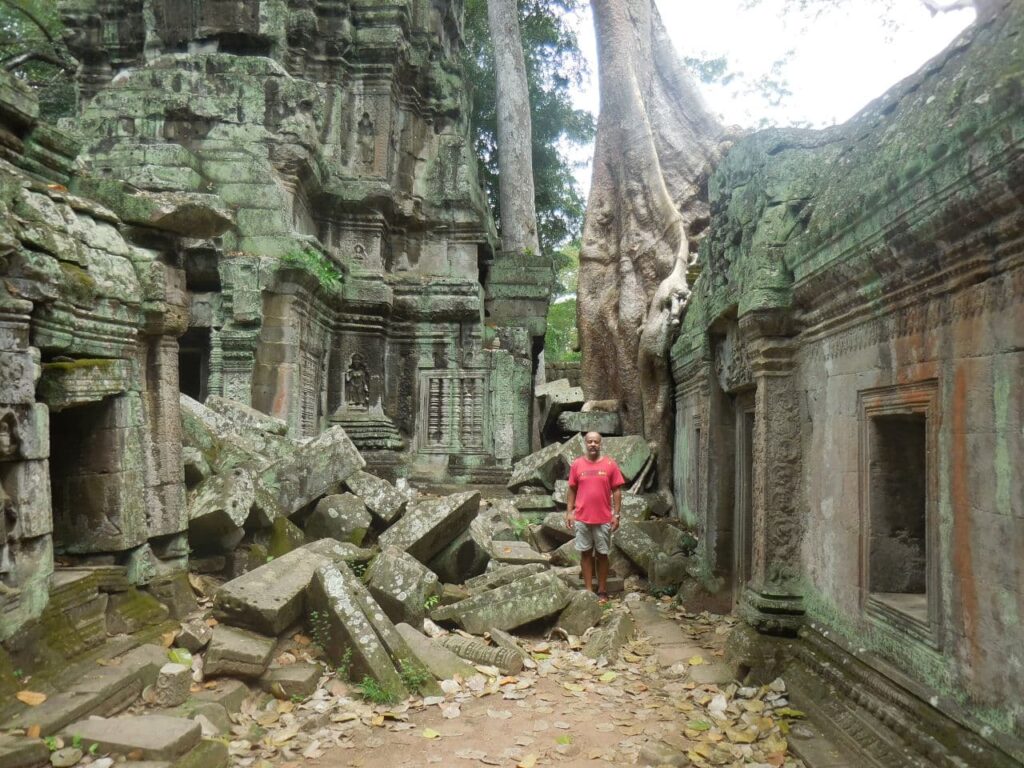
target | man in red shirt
[{"x": 593, "y": 506}]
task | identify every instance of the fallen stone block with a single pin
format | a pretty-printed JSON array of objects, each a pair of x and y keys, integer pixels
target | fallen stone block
[
  {"x": 534, "y": 502},
  {"x": 553, "y": 525},
  {"x": 65, "y": 757},
  {"x": 382, "y": 499},
  {"x": 566, "y": 555},
  {"x": 636, "y": 544},
  {"x": 583, "y": 612},
  {"x": 132, "y": 611},
  {"x": 339, "y": 516},
  {"x": 244, "y": 418},
  {"x": 226, "y": 692},
  {"x": 548, "y": 387},
  {"x": 197, "y": 468},
  {"x": 516, "y": 553},
  {"x": 607, "y": 640},
  {"x": 493, "y": 523},
  {"x": 401, "y": 585},
  {"x": 635, "y": 508},
  {"x": 284, "y": 682},
  {"x": 556, "y": 402},
  {"x": 671, "y": 538},
  {"x": 237, "y": 653},
  {"x": 270, "y": 598},
  {"x": 513, "y": 605},
  {"x": 561, "y": 494},
  {"x": 438, "y": 660},
  {"x": 350, "y": 636},
  {"x": 502, "y": 575},
  {"x": 631, "y": 453},
  {"x": 282, "y": 537},
  {"x": 219, "y": 506},
  {"x": 314, "y": 470},
  {"x": 504, "y": 640},
  {"x": 22, "y": 752},
  {"x": 463, "y": 558},
  {"x": 667, "y": 571},
  {"x": 541, "y": 469},
  {"x": 150, "y": 737},
  {"x": 606, "y": 424},
  {"x": 429, "y": 526},
  {"x": 453, "y": 593},
  {"x": 172, "y": 685},
  {"x": 507, "y": 662}
]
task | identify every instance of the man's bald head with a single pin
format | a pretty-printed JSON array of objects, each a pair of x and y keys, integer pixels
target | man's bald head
[{"x": 592, "y": 441}]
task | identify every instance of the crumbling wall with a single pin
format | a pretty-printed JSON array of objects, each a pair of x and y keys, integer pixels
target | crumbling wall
[{"x": 862, "y": 297}]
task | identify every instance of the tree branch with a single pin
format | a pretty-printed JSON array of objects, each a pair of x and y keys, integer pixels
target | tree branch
[{"x": 13, "y": 62}]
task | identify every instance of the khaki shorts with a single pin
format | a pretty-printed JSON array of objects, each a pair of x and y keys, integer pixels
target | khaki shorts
[{"x": 593, "y": 536}]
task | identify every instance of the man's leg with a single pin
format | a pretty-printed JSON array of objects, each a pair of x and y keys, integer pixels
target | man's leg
[
  {"x": 602, "y": 574},
  {"x": 587, "y": 566}
]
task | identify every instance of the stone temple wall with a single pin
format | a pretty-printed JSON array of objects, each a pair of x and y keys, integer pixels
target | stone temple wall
[
  {"x": 358, "y": 284},
  {"x": 849, "y": 408}
]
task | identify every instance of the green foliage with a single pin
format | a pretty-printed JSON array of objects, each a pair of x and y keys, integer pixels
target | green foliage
[
  {"x": 32, "y": 47},
  {"x": 316, "y": 263},
  {"x": 554, "y": 67},
  {"x": 561, "y": 344},
  {"x": 52, "y": 743},
  {"x": 413, "y": 675},
  {"x": 344, "y": 668},
  {"x": 431, "y": 602},
  {"x": 359, "y": 567},
  {"x": 519, "y": 526},
  {"x": 374, "y": 692},
  {"x": 76, "y": 741}
]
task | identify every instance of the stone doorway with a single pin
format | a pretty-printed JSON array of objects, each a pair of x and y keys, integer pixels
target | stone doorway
[
  {"x": 743, "y": 509},
  {"x": 194, "y": 363}
]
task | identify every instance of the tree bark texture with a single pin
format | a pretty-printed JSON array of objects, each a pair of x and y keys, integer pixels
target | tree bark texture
[
  {"x": 656, "y": 143},
  {"x": 515, "y": 156}
]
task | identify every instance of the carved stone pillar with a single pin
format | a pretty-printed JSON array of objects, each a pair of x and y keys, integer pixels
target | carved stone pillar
[{"x": 772, "y": 600}]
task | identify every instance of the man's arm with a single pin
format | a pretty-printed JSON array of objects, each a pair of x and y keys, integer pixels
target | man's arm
[
  {"x": 616, "y": 507},
  {"x": 570, "y": 507}
]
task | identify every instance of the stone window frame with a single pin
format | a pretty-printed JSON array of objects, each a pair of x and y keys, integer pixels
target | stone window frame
[
  {"x": 454, "y": 445},
  {"x": 913, "y": 398}
]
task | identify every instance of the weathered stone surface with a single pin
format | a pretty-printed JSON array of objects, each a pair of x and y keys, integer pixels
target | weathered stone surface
[
  {"x": 516, "y": 553},
  {"x": 534, "y": 502},
  {"x": 298, "y": 680},
  {"x": 502, "y": 575},
  {"x": 607, "y": 424},
  {"x": 463, "y": 558},
  {"x": 334, "y": 595},
  {"x": 550, "y": 387},
  {"x": 225, "y": 692},
  {"x": 554, "y": 527},
  {"x": 429, "y": 526},
  {"x": 636, "y": 544},
  {"x": 315, "y": 468},
  {"x": 631, "y": 453},
  {"x": 503, "y": 639},
  {"x": 510, "y": 606},
  {"x": 583, "y": 612},
  {"x": 151, "y": 737},
  {"x": 382, "y": 499},
  {"x": 635, "y": 508},
  {"x": 131, "y": 611},
  {"x": 219, "y": 506},
  {"x": 270, "y": 598},
  {"x": 453, "y": 593},
  {"x": 280, "y": 538},
  {"x": 243, "y": 417},
  {"x": 557, "y": 401},
  {"x": 667, "y": 571},
  {"x": 438, "y": 660},
  {"x": 561, "y": 493},
  {"x": 339, "y": 516},
  {"x": 541, "y": 469},
  {"x": 22, "y": 752},
  {"x": 172, "y": 685},
  {"x": 197, "y": 468},
  {"x": 401, "y": 585},
  {"x": 615, "y": 630},
  {"x": 65, "y": 757},
  {"x": 507, "y": 662},
  {"x": 566, "y": 554},
  {"x": 237, "y": 652}
]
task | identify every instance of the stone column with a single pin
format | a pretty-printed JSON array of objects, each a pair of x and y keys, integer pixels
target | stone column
[{"x": 772, "y": 600}]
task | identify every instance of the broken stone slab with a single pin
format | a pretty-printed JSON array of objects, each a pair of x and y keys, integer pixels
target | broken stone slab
[
  {"x": 280, "y": 538},
  {"x": 631, "y": 453},
  {"x": 556, "y": 402},
  {"x": 635, "y": 508},
  {"x": 602, "y": 422},
  {"x": 270, "y": 598},
  {"x": 223, "y": 445},
  {"x": 151, "y": 737},
  {"x": 507, "y": 662},
  {"x": 673, "y": 540},
  {"x": 537, "y": 537},
  {"x": 561, "y": 494},
  {"x": 510, "y": 606},
  {"x": 429, "y": 526},
  {"x": 667, "y": 571},
  {"x": 504, "y": 640},
  {"x": 226, "y": 692},
  {"x": 283, "y": 682},
  {"x": 219, "y": 506},
  {"x": 516, "y": 553},
  {"x": 384, "y": 501},
  {"x": 453, "y": 593},
  {"x": 172, "y": 685},
  {"x": 401, "y": 585},
  {"x": 542, "y": 468},
  {"x": 583, "y": 612},
  {"x": 132, "y": 611},
  {"x": 554, "y": 528},
  {"x": 237, "y": 653},
  {"x": 438, "y": 660},
  {"x": 351, "y": 638},
  {"x": 634, "y": 542},
  {"x": 65, "y": 757},
  {"x": 492, "y": 523},
  {"x": 244, "y": 417},
  {"x": 212, "y": 718},
  {"x": 22, "y": 751},
  {"x": 615, "y": 630},
  {"x": 566, "y": 555},
  {"x": 534, "y": 502},
  {"x": 340, "y": 516},
  {"x": 463, "y": 558},
  {"x": 313, "y": 470},
  {"x": 196, "y": 467},
  {"x": 549, "y": 387},
  {"x": 502, "y": 575}
]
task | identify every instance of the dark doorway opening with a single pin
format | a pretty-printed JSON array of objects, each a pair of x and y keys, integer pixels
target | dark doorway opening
[{"x": 194, "y": 363}]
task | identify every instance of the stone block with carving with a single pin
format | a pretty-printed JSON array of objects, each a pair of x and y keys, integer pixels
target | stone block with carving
[
  {"x": 172, "y": 685},
  {"x": 428, "y": 526},
  {"x": 339, "y": 516},
  {"x": 510, "y": 606}
]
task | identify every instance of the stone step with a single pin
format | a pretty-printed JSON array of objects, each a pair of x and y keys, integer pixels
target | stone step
[{"x": 150, "y": 737}]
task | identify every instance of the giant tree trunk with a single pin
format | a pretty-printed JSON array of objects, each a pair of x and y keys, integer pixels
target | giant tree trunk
[
  {"x": 515, "y": 154},
  {"x": 656, "y": 141}
]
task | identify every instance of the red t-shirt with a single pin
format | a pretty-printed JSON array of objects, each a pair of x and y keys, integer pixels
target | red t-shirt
[{"x": 594, "y": 482}]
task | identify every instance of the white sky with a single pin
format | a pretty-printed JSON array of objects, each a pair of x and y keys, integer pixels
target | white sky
[{"x": 841, "y": 60}]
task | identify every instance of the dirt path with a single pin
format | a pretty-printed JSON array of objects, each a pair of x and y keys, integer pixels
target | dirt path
[{"x": 665, "y": 701}]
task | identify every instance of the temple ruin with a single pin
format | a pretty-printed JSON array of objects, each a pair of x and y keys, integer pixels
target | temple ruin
[{"x": 252, "y": 298}]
